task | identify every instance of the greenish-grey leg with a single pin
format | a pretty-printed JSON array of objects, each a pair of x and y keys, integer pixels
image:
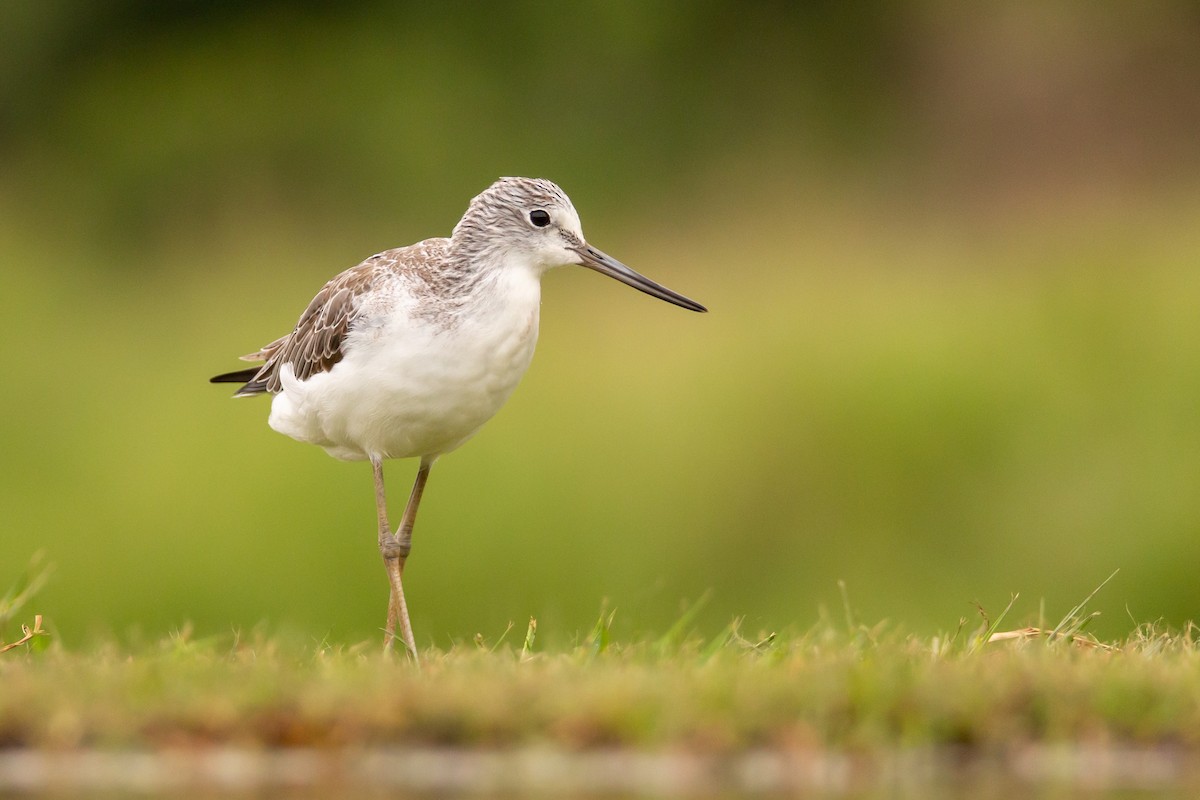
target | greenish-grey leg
[{"x": 395, "y": 549}]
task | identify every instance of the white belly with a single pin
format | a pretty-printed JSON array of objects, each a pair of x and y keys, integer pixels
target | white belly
[{"x": 407, "y": 387}]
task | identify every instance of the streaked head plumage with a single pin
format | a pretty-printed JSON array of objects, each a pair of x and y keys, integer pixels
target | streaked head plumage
[{"x": 530, "y": 216}]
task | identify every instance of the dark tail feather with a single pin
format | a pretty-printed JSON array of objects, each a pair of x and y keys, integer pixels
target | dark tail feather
[{"x": 243, "y": 376}]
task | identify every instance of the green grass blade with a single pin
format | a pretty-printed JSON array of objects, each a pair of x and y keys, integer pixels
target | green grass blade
[
  {"x": 530, "y": 636},
  {"x": 986, "y": 637},
  {"x": 25, "y": 588},
  {"x": 673, "y": 638},
  {"x": 1074, "y": 621}
]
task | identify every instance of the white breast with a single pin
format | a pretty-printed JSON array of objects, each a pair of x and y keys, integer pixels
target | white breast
[{"x": 413, "y": 386}]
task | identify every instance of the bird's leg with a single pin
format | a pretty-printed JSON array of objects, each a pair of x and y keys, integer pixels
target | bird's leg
[
  {"x": 403, "y": 544},
  {"x": 385, "y": 538},
  {"x": 395, "y": 549}
]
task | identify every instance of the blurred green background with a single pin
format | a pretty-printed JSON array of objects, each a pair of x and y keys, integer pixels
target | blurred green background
[{"x": 950, "y": 250}]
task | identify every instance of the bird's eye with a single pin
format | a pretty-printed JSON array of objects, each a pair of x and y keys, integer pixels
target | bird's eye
[{"x": 539, "y": 218}]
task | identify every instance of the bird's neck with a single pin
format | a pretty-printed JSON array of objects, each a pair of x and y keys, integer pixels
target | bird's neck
[{"x": 502, "y": 283}]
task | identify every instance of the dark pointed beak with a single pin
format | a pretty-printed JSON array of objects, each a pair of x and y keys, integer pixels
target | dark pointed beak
[{"x": 592, "y": 258}]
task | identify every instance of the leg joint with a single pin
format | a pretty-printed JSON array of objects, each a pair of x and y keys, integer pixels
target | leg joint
[{"x": 397, "y": 546}]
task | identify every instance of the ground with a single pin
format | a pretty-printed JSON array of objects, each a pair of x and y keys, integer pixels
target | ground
[{"x": 839, "y": 706}]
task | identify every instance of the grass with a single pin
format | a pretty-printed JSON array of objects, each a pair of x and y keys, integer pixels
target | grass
[
  {"x": 834, "y": 686},
  {"x": 679, "y": 712},
  {"x": 14, "y": 600}
]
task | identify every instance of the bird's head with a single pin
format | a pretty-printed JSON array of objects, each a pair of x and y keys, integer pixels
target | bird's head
[{"x": 532, "y": 221}]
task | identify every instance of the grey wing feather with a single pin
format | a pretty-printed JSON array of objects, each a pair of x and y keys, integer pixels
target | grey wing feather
[{"x": 316, "y": 344}]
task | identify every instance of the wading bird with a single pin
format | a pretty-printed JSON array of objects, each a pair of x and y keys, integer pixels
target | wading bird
[{"x": 409, "y": 353}]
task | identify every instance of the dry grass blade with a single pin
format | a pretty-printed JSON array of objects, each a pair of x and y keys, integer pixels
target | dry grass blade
[
  {"x": 28, "y": 634},
  {"x": 1022, "y": 634}
]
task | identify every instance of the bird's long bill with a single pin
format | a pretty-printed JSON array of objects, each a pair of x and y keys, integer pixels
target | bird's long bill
[{"x": 592, "y": 258}]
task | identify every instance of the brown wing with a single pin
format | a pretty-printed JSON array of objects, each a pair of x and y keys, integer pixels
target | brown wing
[{"x": 316, "y": 343}]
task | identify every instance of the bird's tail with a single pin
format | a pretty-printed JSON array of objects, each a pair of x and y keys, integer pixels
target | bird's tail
[{"x": 243, "y": 376}]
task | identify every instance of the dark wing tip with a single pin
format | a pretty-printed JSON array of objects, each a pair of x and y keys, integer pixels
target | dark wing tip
[
  {"x": 240, "y": 376},
  {"x": 243, "y": 376}
]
